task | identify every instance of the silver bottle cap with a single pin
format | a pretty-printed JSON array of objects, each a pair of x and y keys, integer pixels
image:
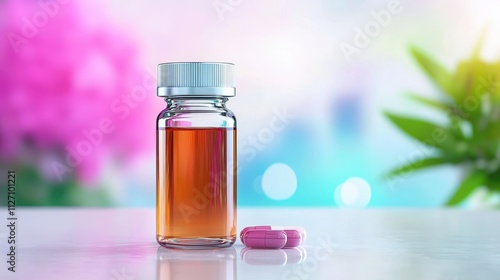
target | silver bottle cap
[{"x": 196, "y": 79}]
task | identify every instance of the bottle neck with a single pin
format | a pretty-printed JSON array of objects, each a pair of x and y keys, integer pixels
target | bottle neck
[{"x": 196, "y": 103}]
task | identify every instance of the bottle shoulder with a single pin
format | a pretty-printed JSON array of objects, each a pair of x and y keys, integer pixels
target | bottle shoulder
[{"x": 220, "y": 117}]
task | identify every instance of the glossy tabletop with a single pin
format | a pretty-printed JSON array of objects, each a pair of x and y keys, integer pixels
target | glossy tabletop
[{"x": 119, "y": 244}]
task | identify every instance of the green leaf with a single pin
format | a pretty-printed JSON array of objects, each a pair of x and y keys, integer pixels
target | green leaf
[
  {"x": 467, "y": 186},
  {"x": 437, "y": 73},
  {"x": 423, "y": 131},
  {"x": 417, "y": 165},
  {"x": 429, "y": 102},
  {"x": 493, "y": 181}
]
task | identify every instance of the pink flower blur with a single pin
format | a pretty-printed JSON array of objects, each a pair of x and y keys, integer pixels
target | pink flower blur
[{"x": 67, "y": 72}]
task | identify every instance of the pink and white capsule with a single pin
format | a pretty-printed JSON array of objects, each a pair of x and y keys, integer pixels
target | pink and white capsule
[
  {"x": 293, "y": 238},
  {"x": 300, "y": 229},
  {"x": 264, "y": 239}
]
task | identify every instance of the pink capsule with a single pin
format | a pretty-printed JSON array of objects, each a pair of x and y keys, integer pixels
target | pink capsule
[
  {"x": 243, "y": 231},
  {"x": 265, "y": 239},
  {"x": 300, "y": 229},
  {"x": 293, "y": 238}
]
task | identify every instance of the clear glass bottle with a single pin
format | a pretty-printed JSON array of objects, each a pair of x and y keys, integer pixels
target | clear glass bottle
[{"x": 196, "y": 156}]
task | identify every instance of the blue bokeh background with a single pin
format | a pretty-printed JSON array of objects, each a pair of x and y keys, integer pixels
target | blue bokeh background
[{"x": 292, "y": 70}]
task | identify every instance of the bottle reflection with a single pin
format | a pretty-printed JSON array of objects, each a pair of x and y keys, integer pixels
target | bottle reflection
[
  {"x": 277, "y": 257},
  {"x": 216, "y": 264}
]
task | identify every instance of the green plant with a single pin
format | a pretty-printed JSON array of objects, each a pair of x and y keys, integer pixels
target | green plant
[
  {"x": 32, "y": 189},
  {"x": 470, "y": 138}
]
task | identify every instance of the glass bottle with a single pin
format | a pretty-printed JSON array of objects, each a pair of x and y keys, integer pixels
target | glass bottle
[
  {"x": 196, "y": 156},
  {"x": 215, "y": 264}
]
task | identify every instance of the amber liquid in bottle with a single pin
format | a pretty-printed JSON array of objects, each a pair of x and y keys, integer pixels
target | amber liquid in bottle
[{"x": 196, "y": 187}]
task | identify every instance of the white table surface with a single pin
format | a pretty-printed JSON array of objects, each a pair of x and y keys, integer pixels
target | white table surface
[{"x": 119, "y": 244}]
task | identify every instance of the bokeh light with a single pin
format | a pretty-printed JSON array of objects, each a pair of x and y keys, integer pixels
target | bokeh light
[
  {"x": 355, "y": 192},
  {"x": 279, "y": 181}
]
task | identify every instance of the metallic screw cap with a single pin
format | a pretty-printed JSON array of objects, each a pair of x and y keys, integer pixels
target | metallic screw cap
[{"x": 196, "y": 79}]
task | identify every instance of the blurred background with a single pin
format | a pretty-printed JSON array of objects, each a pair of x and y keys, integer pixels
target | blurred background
[{"x": 315, "y": 82}]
